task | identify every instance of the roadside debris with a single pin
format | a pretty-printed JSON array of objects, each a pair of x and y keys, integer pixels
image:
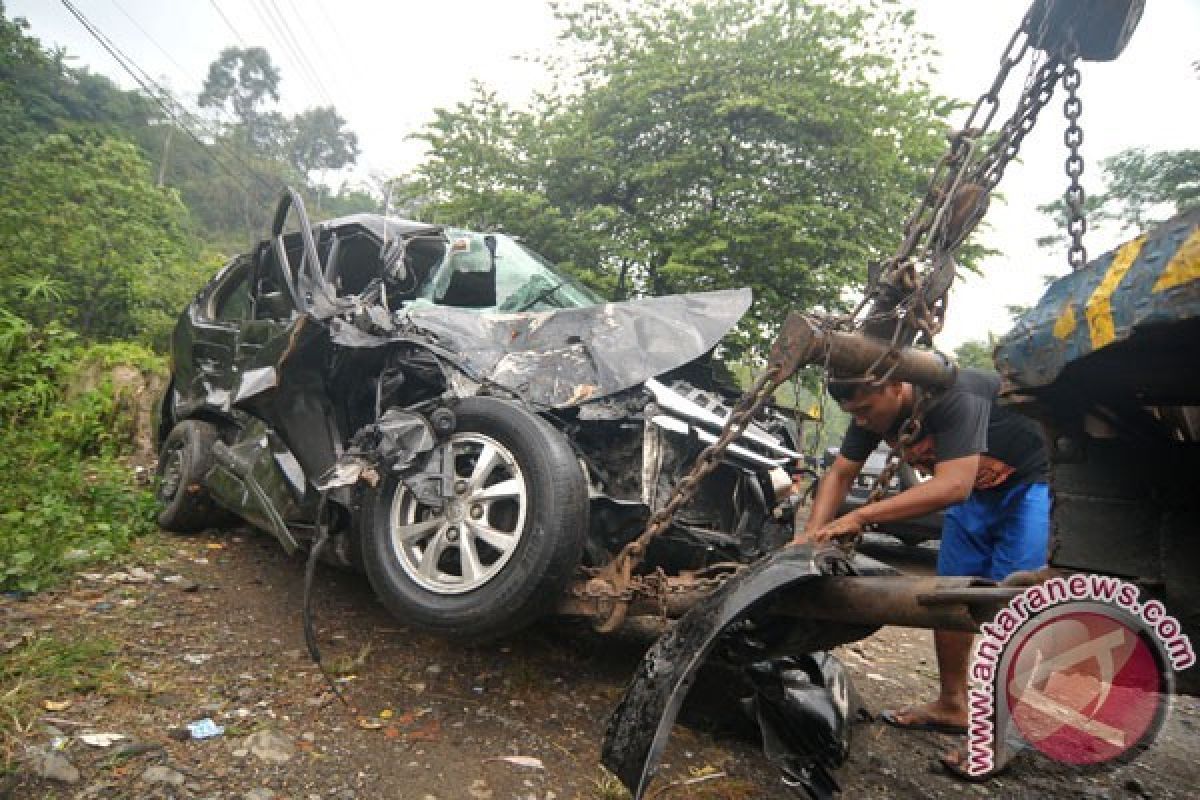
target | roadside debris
[
  {"x": 520, "y": 761},
  {"x": 802, "y": 704},
  {"x": 161, "y": 774},
  {"x": 204, "y": 729},
  {"x": 101, "y": 739}
]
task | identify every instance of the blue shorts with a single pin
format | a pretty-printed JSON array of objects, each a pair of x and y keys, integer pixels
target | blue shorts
[{"x": 995, "y": 533}]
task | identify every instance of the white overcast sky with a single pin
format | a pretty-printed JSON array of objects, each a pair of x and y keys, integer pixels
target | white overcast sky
[{"x": 388, "y": 63}]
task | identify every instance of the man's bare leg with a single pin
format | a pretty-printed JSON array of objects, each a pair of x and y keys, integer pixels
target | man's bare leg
[{"x": 950, "y": 708}]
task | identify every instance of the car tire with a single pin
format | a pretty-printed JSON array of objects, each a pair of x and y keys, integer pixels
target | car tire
[
  {"x": 183, "y": 461},
  {"x": 500, "y": 553}
]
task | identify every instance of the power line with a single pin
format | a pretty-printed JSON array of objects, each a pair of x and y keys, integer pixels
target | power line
[
  {"x": 130, "y": 66},
  {"x": 301, "y": 50},
  {"x": 228, "y": 24},
  {"x": 126, "y": 62},
  {"x": 286, "y": 46},
  {"x": 314, "y": 48},
  {"x": 346, "y": 49},
  {"x": 146, "y": 33}
]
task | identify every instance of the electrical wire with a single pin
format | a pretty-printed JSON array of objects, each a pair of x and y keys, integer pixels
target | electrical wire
[
  {"x": 179, "y": 67},
  {"x": 228, "y": 24},
  {"x": 301, "y": 50},
  {"x": 192, "y": 118},
  {"x": 133, "y": 70},
  {"x": 273, "y": 28}
]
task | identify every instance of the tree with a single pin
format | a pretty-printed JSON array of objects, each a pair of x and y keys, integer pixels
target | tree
[
  {"x": 243, "y": 79},
  {"x": 39, "y": 93},
  {"x": 1147, "y": 187},
  {"x": 659, "y": 172},
  {"x": 976, "y": 353},
  {"x": 1141, "y": 190},
  {"x": 90, "y": 241},
  {"x": 319, "y": 142}
]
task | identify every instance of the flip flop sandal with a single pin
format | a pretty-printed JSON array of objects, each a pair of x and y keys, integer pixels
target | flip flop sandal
[
  {"x": 928, "y": 725},
  {"x": 957, "y": 767}
]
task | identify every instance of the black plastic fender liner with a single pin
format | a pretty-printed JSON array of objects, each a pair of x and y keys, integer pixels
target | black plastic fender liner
[{"x": 640, "y": 725}]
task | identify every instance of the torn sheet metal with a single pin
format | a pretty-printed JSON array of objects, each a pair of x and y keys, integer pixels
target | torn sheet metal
[
  {"x": 639, "y": 728},
  {"x": 398, "y": 438},
  {"x": 250, "y": 477},
  {"x": 558, "y": 359},
  {"x": 804, "y": 707},
  {"x": 256, "y": 381}
]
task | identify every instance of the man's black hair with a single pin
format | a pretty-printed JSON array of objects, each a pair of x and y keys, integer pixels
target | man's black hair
[{"x": 843, "y": 388}]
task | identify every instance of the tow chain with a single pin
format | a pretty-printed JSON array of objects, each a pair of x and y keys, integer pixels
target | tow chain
[
  {"x": 1073, "y": 139},
  {"x": 618, "y": 573},
  {"x": 955, "y": 200}
]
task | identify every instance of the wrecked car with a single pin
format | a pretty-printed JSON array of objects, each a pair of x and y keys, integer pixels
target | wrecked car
[{"x": 469, "y": 426}]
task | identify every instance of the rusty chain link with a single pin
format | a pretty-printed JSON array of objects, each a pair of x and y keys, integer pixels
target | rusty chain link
[{"x": 619, "y": 571}]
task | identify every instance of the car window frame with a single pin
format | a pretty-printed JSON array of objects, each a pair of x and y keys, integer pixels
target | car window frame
[{"x": 241, "y": 272}]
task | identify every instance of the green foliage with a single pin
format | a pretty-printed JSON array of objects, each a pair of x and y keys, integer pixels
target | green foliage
[
  {"x": 39, "y": 93},
  {"x": 242, "y": 79},
  {"x": 1148, "y": 187},
  {"x": 33, "y": 364},
  {"x": 695, "y": 146},
  {"x": 67, "y": 498},
  {"x": 50, "y": 667},
  {"x": 229, "y": 176},
  {"x": 976, "y": 353},
  {"x": 88, "y": 241},
  {"x": 1141, "y": 190},
  {"x": 348, "y": 200},
  {"x": 319, "y": 141}
]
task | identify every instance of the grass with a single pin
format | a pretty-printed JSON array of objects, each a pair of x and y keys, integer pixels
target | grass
[
  {"x": 69, "y": 498},
  {"x": 56, "y": 669}
]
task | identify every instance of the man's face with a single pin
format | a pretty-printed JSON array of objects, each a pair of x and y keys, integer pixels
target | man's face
[{"x": 876, "y": 409}]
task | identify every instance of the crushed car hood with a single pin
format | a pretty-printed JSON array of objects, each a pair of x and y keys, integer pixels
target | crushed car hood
[{"x": 565, "y": 357}]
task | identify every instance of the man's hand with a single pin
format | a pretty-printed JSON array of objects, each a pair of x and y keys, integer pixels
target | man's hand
[{"x": 847, "y": 525}]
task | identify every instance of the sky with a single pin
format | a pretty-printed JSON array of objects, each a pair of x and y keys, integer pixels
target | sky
[{"x": 386, "y": 64}]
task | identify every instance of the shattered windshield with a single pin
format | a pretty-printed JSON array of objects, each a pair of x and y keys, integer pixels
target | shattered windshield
[{"x": 497, "y": 273}]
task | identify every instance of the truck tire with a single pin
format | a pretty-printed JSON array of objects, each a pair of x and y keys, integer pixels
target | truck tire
[{"x": 500, "y": 552}]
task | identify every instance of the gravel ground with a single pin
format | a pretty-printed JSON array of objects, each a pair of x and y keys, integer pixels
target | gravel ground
[{"x": 210, "y": 627}]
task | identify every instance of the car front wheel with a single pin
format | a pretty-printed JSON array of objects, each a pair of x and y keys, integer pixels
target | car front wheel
[{"x": 498, "y": 552}]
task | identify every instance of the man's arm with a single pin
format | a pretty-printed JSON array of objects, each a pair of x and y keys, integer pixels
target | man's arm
[
  {"x": 951, "y": 483},
  {"x": 831, "y": 491}
]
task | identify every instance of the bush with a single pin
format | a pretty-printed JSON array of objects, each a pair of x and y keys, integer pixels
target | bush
[{"x": 69, "y": 495}]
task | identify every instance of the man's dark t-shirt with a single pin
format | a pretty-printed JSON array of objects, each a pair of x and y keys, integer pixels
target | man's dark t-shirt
[{"x": 966, "y": 420}]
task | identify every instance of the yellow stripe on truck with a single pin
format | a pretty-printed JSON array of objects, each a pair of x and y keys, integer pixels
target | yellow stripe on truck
[
  {"x": 1099, "y": 306},
  {"x": 1184, "y": 267}
]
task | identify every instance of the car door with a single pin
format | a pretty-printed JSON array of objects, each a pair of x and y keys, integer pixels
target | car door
[
  {"x": 217, "y": 316},
  {"x": 271, "y": 315}
]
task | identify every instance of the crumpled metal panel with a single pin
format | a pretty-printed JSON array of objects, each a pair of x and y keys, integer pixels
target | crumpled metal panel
[
  {"x": 562, "y": 358},
  {"x": 639, "y": 728},
  {"x": 804, "y": 706},
  {"x": 1149, "y": 281}
]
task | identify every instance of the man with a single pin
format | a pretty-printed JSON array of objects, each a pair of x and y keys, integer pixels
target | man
[{"x": 989, "y": 471}]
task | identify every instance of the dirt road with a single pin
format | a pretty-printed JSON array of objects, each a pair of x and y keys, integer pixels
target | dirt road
[{"x": 210, "y": 627}]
